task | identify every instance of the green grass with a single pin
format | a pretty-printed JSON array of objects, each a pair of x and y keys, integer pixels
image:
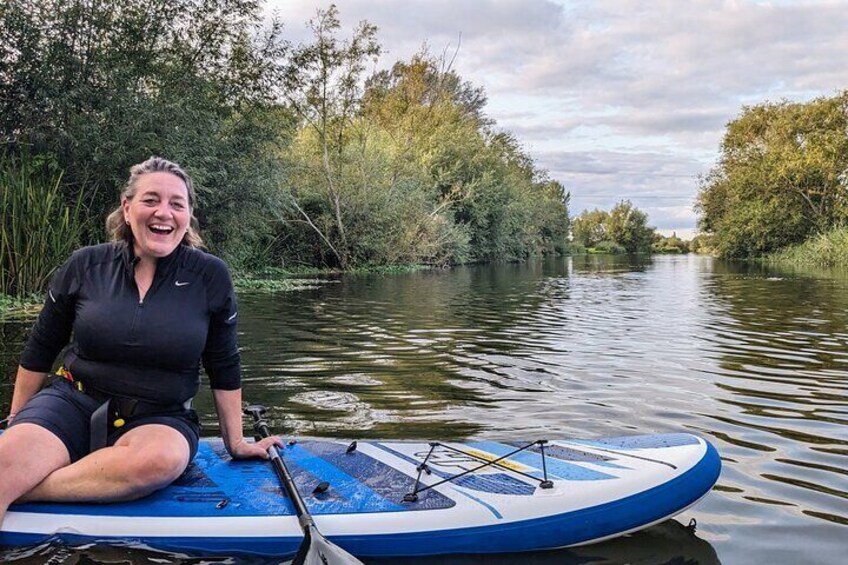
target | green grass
[
  {"x": 13, "y": 308},
  {"x": 250, "y": 283},
  {"x": 825, "y": 250},
  {"x": 278, "y": 279},
  {"x": 388, "y": 269}
]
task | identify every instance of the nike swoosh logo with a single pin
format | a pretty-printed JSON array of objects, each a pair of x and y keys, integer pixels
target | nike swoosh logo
[
  {"x": 178, "y": 283},
  {"x": 50, "y": 292},
  {"x": 233, "y": 316}
]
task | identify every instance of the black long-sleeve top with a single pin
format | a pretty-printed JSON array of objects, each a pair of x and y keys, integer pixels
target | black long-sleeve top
[{"x": 149, "y": 349}]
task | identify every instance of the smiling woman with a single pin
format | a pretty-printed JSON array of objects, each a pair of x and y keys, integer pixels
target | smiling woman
[{"x": 144, "y": 311}]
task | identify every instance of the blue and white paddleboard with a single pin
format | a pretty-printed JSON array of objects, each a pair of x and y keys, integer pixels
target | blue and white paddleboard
[{"x": 598, "y": 489}]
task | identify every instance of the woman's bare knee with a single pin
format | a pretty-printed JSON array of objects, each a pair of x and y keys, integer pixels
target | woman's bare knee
[
  {"x": 156, "y": 458},
  {"x": 28, "y": 454}
]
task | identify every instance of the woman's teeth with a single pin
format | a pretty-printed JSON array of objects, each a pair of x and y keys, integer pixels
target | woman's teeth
[{"x": 161, "y": 229}]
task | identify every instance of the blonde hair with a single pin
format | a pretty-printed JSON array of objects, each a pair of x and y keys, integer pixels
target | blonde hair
[{"x": 118, "y": 228}]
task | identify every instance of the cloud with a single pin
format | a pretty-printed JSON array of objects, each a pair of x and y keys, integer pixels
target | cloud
[{"x": 662, "y": 185}]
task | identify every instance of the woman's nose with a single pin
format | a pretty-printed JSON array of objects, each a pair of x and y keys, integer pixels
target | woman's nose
[{"x": 163, "y": 210}]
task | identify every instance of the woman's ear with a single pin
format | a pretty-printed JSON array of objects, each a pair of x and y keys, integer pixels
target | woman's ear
[{"x": 125, "y": 207}]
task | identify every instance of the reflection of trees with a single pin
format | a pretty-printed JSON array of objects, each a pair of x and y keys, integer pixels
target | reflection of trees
[
  {"x": 611, "y": 263},
  {"x": 780, "y": 319},
  {"x": 417, "y": 336},
  {"x": 780, "y": 342},
  {"x": 432, "y": 343}
]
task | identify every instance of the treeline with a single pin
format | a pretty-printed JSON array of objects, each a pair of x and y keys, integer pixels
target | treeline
[
  {"x": 624, "y": 229},
  {"x": 781, "y": 179},
  {"x": 301, "y": 155}
]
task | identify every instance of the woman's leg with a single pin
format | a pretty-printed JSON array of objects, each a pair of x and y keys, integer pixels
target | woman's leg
[
  {"x": 143, "y": 460},
  {"x": 28, "y": 454}
]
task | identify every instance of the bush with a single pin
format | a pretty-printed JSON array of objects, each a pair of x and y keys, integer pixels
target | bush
[
  {"x": 575, "y": 248},
  {"x": 608, "y": 247}
]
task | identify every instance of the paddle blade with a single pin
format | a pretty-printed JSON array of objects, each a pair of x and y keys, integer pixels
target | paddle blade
[{"x": 318, "y": 550}]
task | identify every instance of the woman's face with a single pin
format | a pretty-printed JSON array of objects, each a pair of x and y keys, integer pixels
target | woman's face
[{"x": 158, "y": 214}]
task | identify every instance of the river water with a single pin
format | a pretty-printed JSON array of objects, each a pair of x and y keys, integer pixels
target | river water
[{"x": 754, "y": 359}]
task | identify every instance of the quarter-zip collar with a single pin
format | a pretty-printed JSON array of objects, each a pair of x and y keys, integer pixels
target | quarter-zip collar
[{"x": 164, "y": 265}]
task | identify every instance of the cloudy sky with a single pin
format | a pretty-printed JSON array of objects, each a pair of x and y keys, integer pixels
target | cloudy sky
[{"x": 617, "y": 98}]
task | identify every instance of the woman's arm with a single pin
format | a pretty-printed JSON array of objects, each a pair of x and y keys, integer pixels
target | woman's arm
[
  {"x": 228, "y": 406},
  {"x": 27, "y": 383}
]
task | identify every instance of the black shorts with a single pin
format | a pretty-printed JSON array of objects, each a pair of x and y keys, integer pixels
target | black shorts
[{"x": 66, "y": 412}]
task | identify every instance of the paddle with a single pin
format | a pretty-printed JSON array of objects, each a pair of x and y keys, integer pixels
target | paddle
[{"x": 315, "y": 549}]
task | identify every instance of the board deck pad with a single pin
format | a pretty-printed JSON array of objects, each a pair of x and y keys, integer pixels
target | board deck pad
[{"x": 599, "y": 489}]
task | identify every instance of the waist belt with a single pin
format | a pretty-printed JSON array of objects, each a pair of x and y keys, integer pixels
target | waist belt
[{"x": 114, "y": 410}]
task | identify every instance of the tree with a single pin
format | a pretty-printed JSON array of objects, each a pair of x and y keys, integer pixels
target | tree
[
  {"x": 628, "y": 226},
  {"x": 670, "y": 244},
  {"x": 99, "y": 86},
  {"x": 323, "y": 83},
  {"x": 589, "y": 228},
  {"x": 412, "y": 172},
  {"x": 782, "y": 177}
]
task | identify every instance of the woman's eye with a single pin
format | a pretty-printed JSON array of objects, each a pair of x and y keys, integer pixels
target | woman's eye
[
  {"x": 149, "y": 201},
  {"x": 178, "y": 206}
]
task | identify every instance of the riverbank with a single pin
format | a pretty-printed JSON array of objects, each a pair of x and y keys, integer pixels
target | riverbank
[{"x": 829, "y": 249}]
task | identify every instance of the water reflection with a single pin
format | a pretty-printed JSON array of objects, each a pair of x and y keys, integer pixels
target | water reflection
[
  {"x": 780, "y": 340},
  {"x": 667, "y": 543},
  {"x": 755, "y": 358}
]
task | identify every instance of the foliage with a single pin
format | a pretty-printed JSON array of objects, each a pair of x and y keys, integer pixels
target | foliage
[
  {"x": 781, "y": 178},
  {"x": 266, "y": 284},
  {"x": 407, "y": 170},
  {"x": 625, "y": 225},
  {"x": 628, "y": 227},
  {"x": 589, "y": 228},
  {"x": 608, "y": 247},
  {"x": 671, "y": 244},
  {"x": 38, "y": 230},
  {"x": 829, "y": 249},
  {"x": 26, "y": 308},
  {"x": 299, "y": 157},
  {"x": 574, "y": 248},
  {"x": 104, "y": 85},
  {"x": 703, "y": 244},
  {"x": 322, "y": 83}
]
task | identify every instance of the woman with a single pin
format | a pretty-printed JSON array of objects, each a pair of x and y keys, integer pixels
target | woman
[{"x": 144, "y": 311}]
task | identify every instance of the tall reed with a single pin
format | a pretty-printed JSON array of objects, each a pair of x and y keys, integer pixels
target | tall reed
[
  {"x": 829, "y": 249},
  {"x": 38, "y": 229}
]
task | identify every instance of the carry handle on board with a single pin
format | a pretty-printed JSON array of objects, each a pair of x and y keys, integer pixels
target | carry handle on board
[{"x": 315, "y": 548}]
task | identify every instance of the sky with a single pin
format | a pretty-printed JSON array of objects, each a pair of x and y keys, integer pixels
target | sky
[{"x": 616, "y": 99}]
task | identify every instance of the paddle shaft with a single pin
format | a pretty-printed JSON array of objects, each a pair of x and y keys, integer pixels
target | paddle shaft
[
  {"x": 303, "y": 515},
  {"x": 315, "y": 549}
]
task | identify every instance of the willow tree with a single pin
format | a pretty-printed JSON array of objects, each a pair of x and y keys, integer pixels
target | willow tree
[
  {"x": 323, "y": 85},
  {"x": 482, "y": 182}
]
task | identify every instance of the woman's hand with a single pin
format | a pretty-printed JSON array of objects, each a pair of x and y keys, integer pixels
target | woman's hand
[{"x": 245, "y": 450}]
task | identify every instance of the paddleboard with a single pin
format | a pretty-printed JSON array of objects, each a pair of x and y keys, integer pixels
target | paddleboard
[{"x": 399, "y": 498}]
